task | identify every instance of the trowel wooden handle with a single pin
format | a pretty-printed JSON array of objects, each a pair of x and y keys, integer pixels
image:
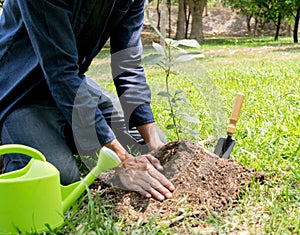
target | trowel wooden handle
[{"x": 235, "y": 112}]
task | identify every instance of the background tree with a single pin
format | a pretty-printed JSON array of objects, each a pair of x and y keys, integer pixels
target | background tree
[
  {"x": 186, "y": 9},
  {"x": 169, "y": 6},
  {"x": 275, "y": 11},
  {"x": 269, "y": 10},
  {"x": 244, "y": 7},
  {"x": 296, "y": 26},
  {"x": 295, "y": 8},
  {"x": 161, "y": 6},
  {"x": 197, "y": 7},
  {"x": 163, "y": 19},
  {"x": 183, "y": 19}
]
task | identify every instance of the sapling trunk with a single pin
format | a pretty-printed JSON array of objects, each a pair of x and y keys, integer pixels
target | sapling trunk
[{"x": 167, "y": 71}]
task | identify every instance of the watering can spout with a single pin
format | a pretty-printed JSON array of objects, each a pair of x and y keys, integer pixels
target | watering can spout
[{"x": 107, "y": 159}]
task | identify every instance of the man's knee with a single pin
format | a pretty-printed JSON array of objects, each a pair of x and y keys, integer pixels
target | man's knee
[{"x": 13, "y": 162}]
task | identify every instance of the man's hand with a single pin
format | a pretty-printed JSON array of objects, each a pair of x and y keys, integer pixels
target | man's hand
[
  {"x": 141, "y": 174},
  {"x": 149, "y": 132}
]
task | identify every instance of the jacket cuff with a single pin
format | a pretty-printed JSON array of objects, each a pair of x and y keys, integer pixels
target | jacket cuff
[{"x": 141, "y": 115}]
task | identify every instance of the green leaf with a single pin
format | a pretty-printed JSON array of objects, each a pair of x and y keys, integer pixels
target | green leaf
[
  {"x": 180, "y": 49},
  {"x": 178, "y": 91},
  {"x": 193, "y": 133},
  {"x": 189, "y": 43},
  {"x": 170, "y": 126},
  {"x": 174, "y": 44},
  {"x": 159, "y": 48},
  {"x": 174, "y": 104},
  {"x": 152, "y": 59},
  {"x": 190, "y": 119},
  {"x": 187, "y": 57},
  {"x": 169, "y": 41},
  {"x": 168, "y": 64},
  {"x": 172, "y": 115},
  {"x": 164, "y": 94},
  {"x": 184, "y": 100}
]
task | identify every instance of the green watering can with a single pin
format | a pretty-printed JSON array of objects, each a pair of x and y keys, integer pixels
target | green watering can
[{"x": 32, "y": 199}]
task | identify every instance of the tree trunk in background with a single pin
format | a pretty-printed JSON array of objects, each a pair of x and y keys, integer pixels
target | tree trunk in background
[
  {"x": 255, "y": 27},
  {"x": 197, "y": 7},
  {"x": 163, "y": 20},
  {"x": 278, "y": 27},
  {"x": 170, "y": 17},
  {"x": 158, "y": 15},
  {"x": 188, "y": 17},
  {"x": 296, "y": 26},
  {"x": 248, "y": 22},
  {"x": 206, "y": 9},
  {"x": 181, "y": 20}
]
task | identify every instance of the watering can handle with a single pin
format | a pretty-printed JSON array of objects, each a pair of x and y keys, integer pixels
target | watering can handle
[{"x": 22, "y": 149}]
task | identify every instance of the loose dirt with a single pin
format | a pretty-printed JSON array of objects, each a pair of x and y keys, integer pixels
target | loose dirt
[{"x": 205, "y": 184}]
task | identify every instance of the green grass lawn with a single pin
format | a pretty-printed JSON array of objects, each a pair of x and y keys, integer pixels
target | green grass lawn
[{"x": 268, "y": 133}]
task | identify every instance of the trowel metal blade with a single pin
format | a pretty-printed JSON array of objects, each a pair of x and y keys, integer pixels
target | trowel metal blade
[{"x": 224, "y": 147}]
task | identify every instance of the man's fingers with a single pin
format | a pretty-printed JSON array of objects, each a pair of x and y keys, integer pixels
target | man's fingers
[
  {"x": 147, "y": 191},
  {"x": 153, "y": 172},
  {"x": 155, "y": 162},
  {"x": 159, "y": 188},
  {"x": 141, "y": 175},
  {"x": 162, "y": 179},
  {"x": 145, "y": 184},
  {"x": 154, "y": 187},
  {"x": 138, "y": 186},
  {"x": 157, "y": 195},
  {"x": 159, "y": 176}
]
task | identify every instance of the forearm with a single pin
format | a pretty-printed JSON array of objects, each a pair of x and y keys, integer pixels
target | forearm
[
  {"x": 129, "y": 77},
  {"x": 118, "y": 149},
  {"x": 150, "y": 134}
]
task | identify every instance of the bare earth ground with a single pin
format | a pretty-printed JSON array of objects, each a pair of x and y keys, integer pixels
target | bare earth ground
[{"x": 205, "y": 184}]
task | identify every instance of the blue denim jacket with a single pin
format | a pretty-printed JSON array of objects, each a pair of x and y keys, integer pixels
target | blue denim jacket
[{"x": 42, "y": 37}]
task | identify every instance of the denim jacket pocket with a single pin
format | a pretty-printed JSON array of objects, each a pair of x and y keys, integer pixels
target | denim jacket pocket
[
  {"x": 119, "y": 12},
  {"x": 123, "y": 6}
]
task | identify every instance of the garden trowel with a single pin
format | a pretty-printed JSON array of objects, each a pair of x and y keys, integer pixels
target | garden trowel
[{"x": 225, "y": 145}]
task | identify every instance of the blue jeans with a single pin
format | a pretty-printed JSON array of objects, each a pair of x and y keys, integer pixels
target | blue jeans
[{"x": 40, "y": 125}]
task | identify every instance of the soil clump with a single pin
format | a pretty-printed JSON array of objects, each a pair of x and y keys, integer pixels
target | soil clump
[{"x": 204, "y": 184}]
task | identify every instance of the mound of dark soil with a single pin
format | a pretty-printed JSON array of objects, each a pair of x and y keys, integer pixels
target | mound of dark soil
[{"x": 204, "y": 183}]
